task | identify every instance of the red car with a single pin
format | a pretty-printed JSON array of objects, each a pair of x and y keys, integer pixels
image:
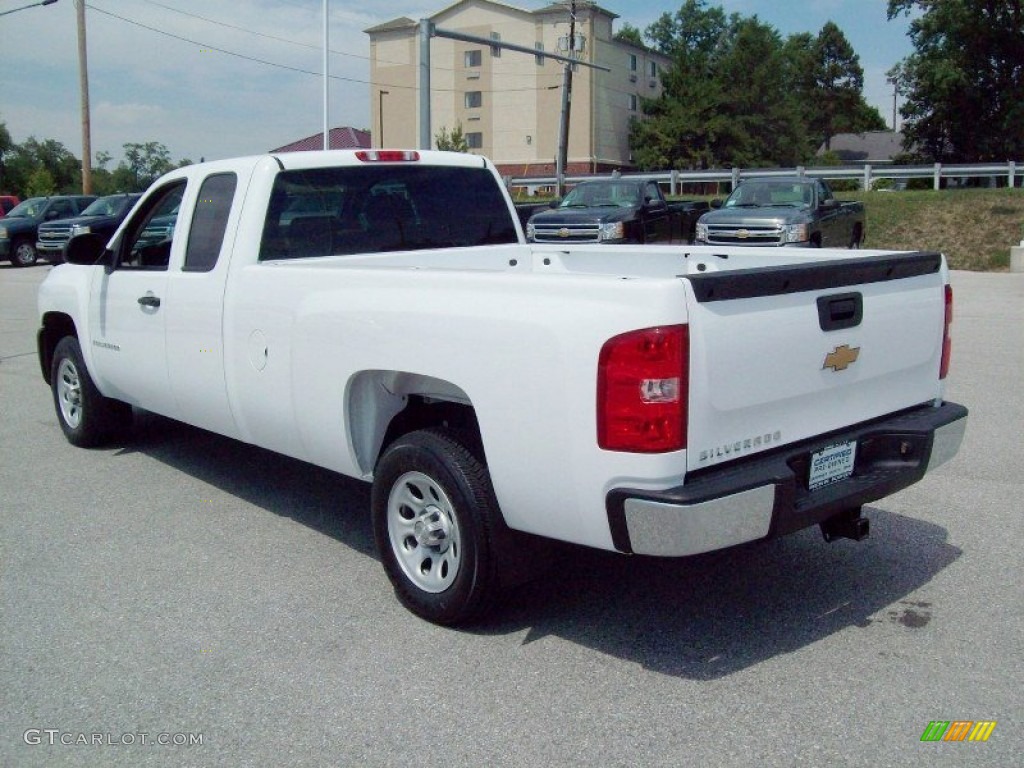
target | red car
[{"x": 6, "y": 203}]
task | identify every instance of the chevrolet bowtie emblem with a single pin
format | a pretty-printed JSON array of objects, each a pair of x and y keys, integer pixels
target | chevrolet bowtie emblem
[{"x": 841, "y": 358}]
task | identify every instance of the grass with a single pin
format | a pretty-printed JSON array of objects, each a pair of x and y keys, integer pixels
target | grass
[{"x": 975, "y": 228}]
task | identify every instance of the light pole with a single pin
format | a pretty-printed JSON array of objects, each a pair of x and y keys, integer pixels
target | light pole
[
  {"x": 380, "y": 116},
  {"x": 32, "y": 5}
]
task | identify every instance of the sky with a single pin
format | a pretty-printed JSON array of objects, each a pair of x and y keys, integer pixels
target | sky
[{"x": 211, "y": 79}]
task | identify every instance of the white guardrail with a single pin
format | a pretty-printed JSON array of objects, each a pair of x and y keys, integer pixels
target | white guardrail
[{"x": 866, "y": 174}]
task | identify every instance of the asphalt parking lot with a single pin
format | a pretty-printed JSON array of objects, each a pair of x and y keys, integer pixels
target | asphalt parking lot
[{"x": 183, "y": 599}]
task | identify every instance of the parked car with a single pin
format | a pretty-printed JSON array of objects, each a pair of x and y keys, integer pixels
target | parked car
[
  {"x": 615, "y": 211},
  {"x": 6, "y": 203},
  {"x": 783, "y": 211},
  {"x": 20, "y": 228},
  {"x": 101, "y": 217}
]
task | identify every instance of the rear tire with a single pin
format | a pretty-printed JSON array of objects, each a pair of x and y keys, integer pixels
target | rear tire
[
  {"x": 86, "y": 417},
  {"x": 436, "y": 524},
  {"x": 856, "y": 238}
]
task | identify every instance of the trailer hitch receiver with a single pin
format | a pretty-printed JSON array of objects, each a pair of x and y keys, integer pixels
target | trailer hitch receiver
[{"x": 846, "y": 525}]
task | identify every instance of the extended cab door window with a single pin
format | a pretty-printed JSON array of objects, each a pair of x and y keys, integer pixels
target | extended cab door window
[
  {"x": 210, "y": 220},
  {"x": 147, "y": 241}
]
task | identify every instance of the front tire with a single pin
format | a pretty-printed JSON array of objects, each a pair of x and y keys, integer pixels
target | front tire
[
  {"x": 24, "y": 253},
  {"x": 86, "y": 417},
  {"x": 436, "y": 522}
]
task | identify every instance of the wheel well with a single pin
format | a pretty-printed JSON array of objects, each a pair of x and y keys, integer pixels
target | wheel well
[
  {"x": 423, "y": 413},
  {"x": 382, "y": 405},
  {"x": 56, "y": 326}
]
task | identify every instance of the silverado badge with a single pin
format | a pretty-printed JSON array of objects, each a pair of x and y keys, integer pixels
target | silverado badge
[
  {"x": 841, "y": 358},
  {"x": 563, "y": 232}
]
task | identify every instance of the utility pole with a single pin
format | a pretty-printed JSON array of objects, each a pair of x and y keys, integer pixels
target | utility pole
[
  {"x": 563, "y": 130},
  {"x": 895, "y": 94},
  {"x": 83, "y": 86},
  {"x": 327, "y": 76}
]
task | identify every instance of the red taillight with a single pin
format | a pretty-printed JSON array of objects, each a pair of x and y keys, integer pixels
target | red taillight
[
  {"x": 387, "y": 155},
  {"x": 642, "y": 390},
  {"x": 947, "y": 343}
]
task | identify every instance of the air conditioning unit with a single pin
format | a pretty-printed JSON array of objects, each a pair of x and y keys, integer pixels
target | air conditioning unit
[
  {"x": 632, "y": 77},
  {"x": 653, "y": 84}
]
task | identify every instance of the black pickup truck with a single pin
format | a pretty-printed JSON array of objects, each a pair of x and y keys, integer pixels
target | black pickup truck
[
  {"x": 783, "y": 211},
  {"x": 615, "y": 211},
  {"x": 101, "y": 217},
  {"x": 19, "y": 228}
]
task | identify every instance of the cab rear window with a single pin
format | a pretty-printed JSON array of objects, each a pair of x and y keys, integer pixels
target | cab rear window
[{"x": 340, "y": 211}]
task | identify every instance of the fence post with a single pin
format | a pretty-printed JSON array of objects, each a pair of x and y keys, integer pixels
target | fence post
[
  {"x": 735, "y": 177},
  {"x": 1010, "y": 177},
  {"x": 938, "y": 176},
  {"x": 801, "y": 171},
  {"x": 867, "y": 177},
  {"x": 673, "y": 183}
]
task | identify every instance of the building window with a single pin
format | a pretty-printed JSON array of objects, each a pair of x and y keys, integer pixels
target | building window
[
  {"x": 539, "y": 58},
  {"x": 473, "y": 58},
  {"x": 495, "y": 49},
  {"x": 474, "y": 140},
  {"x": 632, "y": 102},
  {"x": 474, "y": 99},
  {"x": 632, "y": 62},
  {"x": 652, "y": 69}
]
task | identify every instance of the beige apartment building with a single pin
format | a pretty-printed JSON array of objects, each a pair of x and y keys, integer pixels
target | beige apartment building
[{"x": 508, "y": 103}]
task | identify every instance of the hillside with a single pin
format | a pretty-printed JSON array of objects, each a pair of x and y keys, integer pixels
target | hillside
[{"x": 974, "y": 228}]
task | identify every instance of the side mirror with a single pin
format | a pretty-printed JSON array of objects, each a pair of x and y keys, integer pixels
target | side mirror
[
  {"x": 717, "y": 202},
  {"x": 85, "y": 250},
  {"x": 555, "y": 203},
  {"x": 829, "y": 204}
]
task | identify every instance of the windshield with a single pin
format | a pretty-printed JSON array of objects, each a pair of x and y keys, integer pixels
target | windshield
[
  {"x": 602, "y": 195},
  {"x": 106, "y": 206},
  {"x": 32, "y": 208},
  {"x": 756, "y": 194}
]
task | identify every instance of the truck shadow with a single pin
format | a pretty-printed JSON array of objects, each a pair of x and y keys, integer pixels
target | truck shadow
[
  {"x": 700, "y": 618},
  {"x": 708, "y": 616}
]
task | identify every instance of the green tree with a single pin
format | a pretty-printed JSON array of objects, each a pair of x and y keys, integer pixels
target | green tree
[
  {"x": 6, "y": 146},
  {"x": 760, "y": 102},
  {"x": 40, "y": 184},
  {"x": 838, "y": 82},
  {"x": 963, "y": 86},
  {"x": 451, "y": 141},
  {"x": 63, "y": 167},
  {"x": 627, "y": 33},
  {"x": 727, "y": 98},
  {"x": 142, "y": 165}
]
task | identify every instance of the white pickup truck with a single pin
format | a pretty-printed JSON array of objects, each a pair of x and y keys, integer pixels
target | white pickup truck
[{"x": 379, "y": 313}]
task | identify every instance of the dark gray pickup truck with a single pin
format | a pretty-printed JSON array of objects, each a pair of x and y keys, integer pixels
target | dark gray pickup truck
[
  {"x": 783, "y": 211},
  {"x": 615, "y": 211}
]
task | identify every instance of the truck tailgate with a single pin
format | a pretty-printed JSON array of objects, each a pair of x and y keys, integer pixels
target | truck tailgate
[{"x": 783, "y": 354}]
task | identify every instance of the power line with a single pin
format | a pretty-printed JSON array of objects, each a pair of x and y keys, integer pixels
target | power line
[
  {"x": 268, "y": 36},
  {"x": 290, "y": 68}
]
